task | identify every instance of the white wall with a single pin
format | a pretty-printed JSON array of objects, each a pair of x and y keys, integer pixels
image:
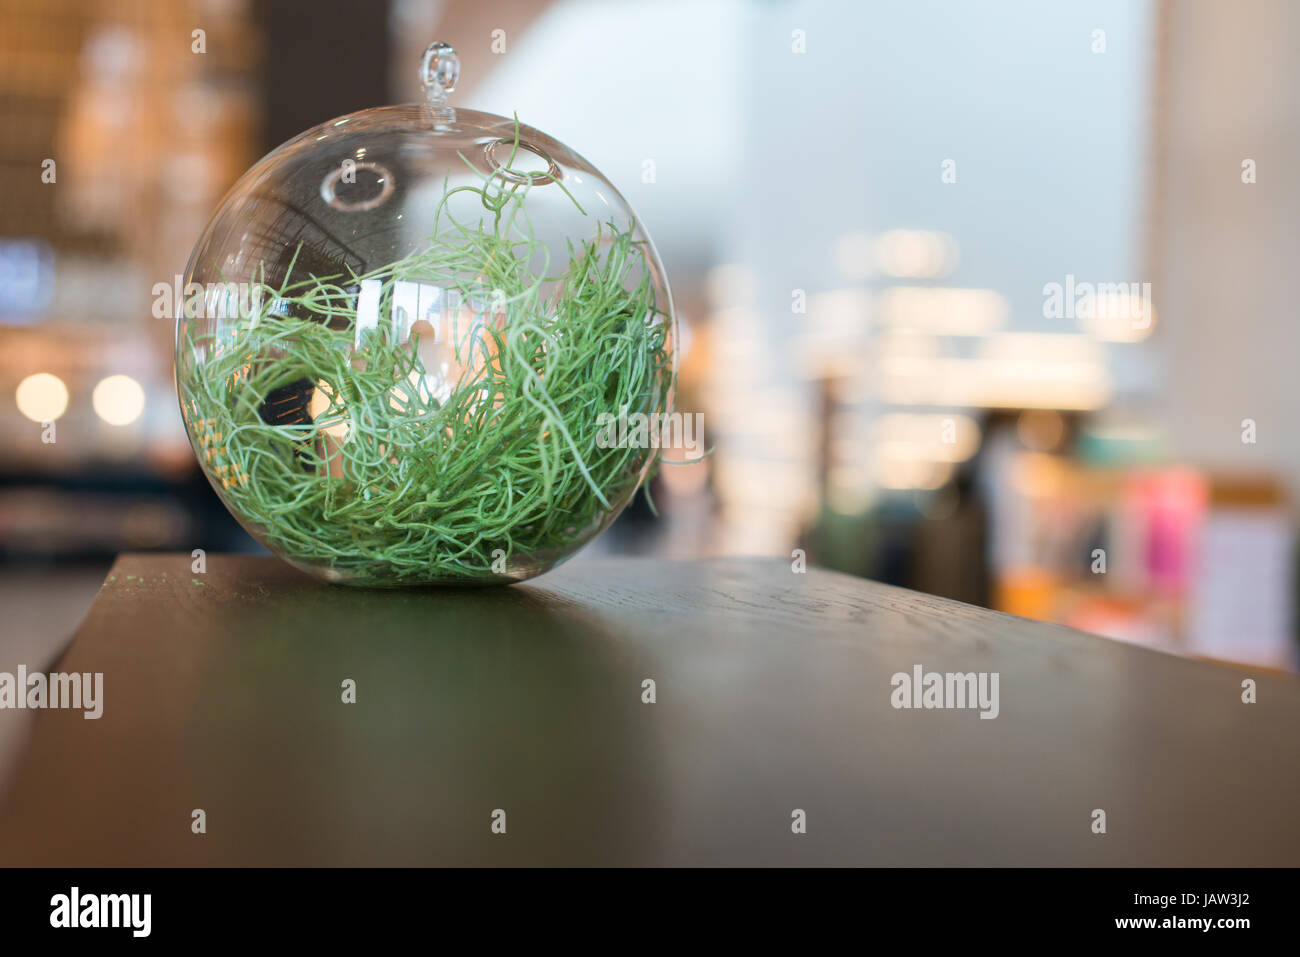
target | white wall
[{"x": 1228, "y": 252}]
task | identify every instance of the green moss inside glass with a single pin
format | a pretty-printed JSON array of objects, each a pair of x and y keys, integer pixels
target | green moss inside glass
[{"x": 419, "y": 398}]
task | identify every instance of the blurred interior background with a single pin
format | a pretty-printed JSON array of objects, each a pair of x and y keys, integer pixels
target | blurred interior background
[{"x": 990, "y": 300}]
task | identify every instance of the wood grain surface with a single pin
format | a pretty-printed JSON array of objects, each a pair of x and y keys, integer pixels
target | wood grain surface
[{"x": 222, "y": 691}]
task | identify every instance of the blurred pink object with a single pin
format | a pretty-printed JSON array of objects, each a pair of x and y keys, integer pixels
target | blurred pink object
[{"x": 1172, "y": 504}]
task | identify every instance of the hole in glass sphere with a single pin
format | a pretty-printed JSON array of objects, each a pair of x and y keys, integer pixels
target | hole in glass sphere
[
  {"x": 528, "y": 164},
  {"x": 355, "y": 187}
]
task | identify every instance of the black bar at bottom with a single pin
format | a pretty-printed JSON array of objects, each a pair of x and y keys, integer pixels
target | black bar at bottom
[{"x": 331, "y": 906}]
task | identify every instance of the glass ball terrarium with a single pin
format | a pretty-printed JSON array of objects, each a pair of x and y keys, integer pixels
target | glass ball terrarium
[{"x": 406, "y": 335}]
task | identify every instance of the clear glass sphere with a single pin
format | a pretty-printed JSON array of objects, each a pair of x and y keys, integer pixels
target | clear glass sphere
[{"x": 411, "y": 342}]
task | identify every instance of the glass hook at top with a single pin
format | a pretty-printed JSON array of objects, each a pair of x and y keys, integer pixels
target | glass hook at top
[{"x": 439, "y": 71}]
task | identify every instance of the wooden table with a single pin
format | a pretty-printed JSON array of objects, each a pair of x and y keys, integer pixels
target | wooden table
[{"x": 223, "y": 691}]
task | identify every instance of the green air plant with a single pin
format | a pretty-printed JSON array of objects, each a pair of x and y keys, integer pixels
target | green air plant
[{"x": 339, "y": 450}]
